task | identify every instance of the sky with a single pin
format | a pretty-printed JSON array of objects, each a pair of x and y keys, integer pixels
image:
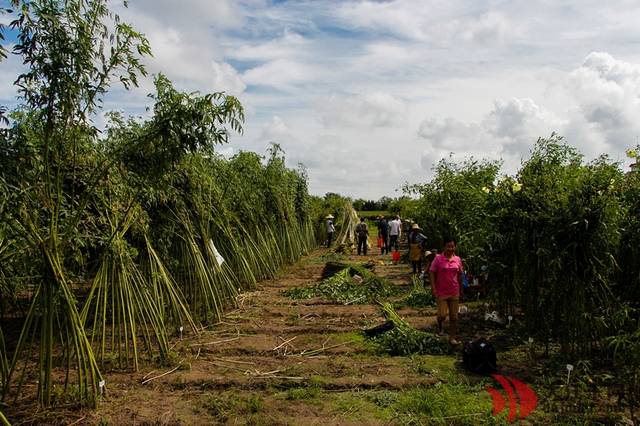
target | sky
[{"x": 369, "y": 95}]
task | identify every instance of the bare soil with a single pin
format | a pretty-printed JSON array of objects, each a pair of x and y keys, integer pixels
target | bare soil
[
  {"x": 272, "y": 360},
  {"x": 277, "y": 361}
]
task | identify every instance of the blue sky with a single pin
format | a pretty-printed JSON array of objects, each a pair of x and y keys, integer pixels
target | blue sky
[{"x": 370, "y": 94}]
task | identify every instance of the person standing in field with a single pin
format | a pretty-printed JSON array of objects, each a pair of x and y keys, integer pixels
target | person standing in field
[
  {"x": 406, "y": 229},
  {"x": 445, "y": 275},
  {"x": 394, "y": 232},
  {"x": 330, "y": 230},
  {"x": 362, "y": 231},
  {"x": 383, "y": 232},
  {"x": 417, "y": 242}
]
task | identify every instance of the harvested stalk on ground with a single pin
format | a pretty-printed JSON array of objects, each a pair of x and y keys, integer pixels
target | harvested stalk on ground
[{"x": 403, "y": 339}]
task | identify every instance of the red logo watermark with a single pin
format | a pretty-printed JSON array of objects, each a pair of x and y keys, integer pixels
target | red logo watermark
[{"x": 525, "y": 396}]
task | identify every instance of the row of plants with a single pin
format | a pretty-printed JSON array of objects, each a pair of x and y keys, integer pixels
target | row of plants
[
  {"x": 113, "y": 241},
  {"x": 559, "y": 240}
]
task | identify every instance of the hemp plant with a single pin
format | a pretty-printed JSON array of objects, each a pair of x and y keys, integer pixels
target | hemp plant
[{"x": 73, "y": 50}]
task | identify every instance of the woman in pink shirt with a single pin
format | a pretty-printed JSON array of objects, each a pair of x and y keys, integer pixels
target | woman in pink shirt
[{"x": 445, "y": 272}]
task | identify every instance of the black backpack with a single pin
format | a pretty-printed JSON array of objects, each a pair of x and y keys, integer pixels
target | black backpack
[{"x": 479, "y": 357}]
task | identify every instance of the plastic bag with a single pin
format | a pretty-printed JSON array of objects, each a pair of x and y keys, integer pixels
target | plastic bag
[{"x": 465, "y": 281}]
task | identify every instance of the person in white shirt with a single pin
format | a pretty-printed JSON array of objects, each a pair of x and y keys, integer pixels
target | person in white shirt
[{"x": 394, "y": 232}]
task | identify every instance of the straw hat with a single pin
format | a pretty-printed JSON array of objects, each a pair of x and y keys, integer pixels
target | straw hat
[
  {"x": 416, "y": 226},
  {"x": 329, "y": 216}
]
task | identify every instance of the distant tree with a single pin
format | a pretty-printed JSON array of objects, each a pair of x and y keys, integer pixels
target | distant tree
[{"x": 383, "y": 203}]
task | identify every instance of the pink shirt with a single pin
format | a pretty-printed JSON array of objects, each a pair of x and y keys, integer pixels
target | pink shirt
[{"x": 447, "y": 272}]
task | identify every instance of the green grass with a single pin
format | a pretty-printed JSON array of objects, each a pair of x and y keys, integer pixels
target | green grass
[
  {"x": 303, "y": 393},
  {"x": 445, "y": 403},
  {"x": 373, "y": 214},
  {"x": 226, "y": 407}
]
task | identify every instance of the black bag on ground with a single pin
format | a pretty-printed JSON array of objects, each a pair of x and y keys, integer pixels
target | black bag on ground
[{"x": 479, "y": 357}]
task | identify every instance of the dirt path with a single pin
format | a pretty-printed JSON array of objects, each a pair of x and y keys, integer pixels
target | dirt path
[{"x": 275, "y": 360}]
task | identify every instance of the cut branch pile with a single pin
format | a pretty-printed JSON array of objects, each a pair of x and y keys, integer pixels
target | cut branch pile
[
  {"x": 350, "y": 285},
  {"x": 403, "y": 339}
]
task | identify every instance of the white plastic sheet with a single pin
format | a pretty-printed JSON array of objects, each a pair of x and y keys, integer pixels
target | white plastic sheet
[{"x": 217, "y": 256}]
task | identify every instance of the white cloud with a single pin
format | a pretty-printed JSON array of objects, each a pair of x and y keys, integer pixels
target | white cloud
[
  {"x": 275, "y": 131},
  {"x": 507, "y": 132},
  {"x": 282, "y": 74},
  {"x": 491, "y": 27},
  {"x": 10, "y": 68},
  {"x": 439, "y": 23},
  {"x": 369, "y": 93},
  {"x": 226, "y": 152},
  {"x": 190, "y": 14},
  {"x": 607, "y": 92},
  {"x": 403, "y": 18},
  {"x": 450, "y": 136},
  {"x": 290, "y": 44},
  {"x": 5, "y": 20},
  {"x": 519, "y": 122},
  {"x": 226, "y": 78},
  {"x": 369, "y": 110}
]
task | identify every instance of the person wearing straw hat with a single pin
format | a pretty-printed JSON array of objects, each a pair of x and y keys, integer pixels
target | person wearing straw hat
[
  {"x": 417, "y": 242},
  {"x": 330, "y": 229}
]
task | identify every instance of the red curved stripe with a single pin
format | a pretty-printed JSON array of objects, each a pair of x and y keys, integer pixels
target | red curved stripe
[
  {"x": 498, "y": 401},
  {"x": 510, "y": 395},
  {"x": 528, "y": 398}
]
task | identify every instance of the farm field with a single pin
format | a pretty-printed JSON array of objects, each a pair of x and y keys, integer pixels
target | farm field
[
  {"x": 165, "y": 269},
  {"x": 276, "y": 360}
]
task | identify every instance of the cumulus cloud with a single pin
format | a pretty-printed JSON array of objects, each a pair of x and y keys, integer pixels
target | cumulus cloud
[
  {"x": 5, "y": 20},
  {"x": 191, "y": 14},
  {"x": 226, "y": 78},
  {"x": 435, "y": 22},
  {"x": 368, "y": 110},
  {"x": 518, "y": 122},
  {"x": 607, "y": 93},
  {"x": 336, "y": 164},
  {"x": 413, "y": 79},
  {"x": 507, "y": 132},
  {"x": 184, "y": 41},
  {"x": 10, "y": 68},
  {"x": 281, "y": 74},
  {"x": 491, "y": 27},
  {"x": 275, "y": 130},
  {"x": 444, "y": 137},
  {"x": 290, "y": 44}
]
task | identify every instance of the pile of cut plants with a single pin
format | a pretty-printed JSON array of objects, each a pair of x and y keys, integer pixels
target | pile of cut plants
[
  {"x": 398, "y": 337},
  {"x": 419, "y": 297},
  {"x": 347, "y": 284}
]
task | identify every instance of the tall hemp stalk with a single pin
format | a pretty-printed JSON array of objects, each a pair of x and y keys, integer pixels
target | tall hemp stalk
[{"x": 73, "y": 50}]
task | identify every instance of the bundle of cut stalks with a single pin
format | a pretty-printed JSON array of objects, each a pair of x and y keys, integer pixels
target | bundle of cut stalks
[
  {"x": 348, "y": 226},
  {"x": 403, "y": 339},
  {"x": 346, "y": 284}
]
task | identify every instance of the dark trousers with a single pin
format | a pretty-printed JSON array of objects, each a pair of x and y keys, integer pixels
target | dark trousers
[
  {"x": 417, "y": 266},
  {"x": 329, "y": 239},
  {"x": 385, "y": 244},
  {"x": 393, "y": 244},
  {"x": 362, "y": 244}
]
